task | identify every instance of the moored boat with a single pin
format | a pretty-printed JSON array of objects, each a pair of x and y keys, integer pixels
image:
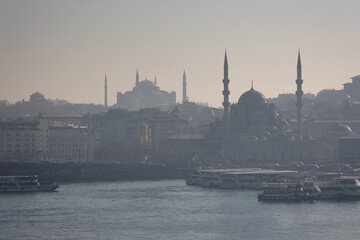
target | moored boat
[
  {"x": 344, "y": 188},
  {"x": 294, "y": 191},
  {"x": 28, "y": 183}
]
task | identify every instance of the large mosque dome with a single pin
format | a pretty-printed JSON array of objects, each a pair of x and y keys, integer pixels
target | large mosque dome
[
  {"x": 146, "y": 85},
  {"x": 37, "y": 97},
  {"x": 252, "y": 97}
]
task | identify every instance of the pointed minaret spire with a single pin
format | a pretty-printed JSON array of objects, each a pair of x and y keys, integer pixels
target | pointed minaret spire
[
  {"x": 226, "y": 105},
  {"x": 137, "y": 77},
  {"x": 155, "y": 80},
  {"x": 252, "y": 84},
  {"x": 184, "y": 88},
  {"x": 299, "y": 94},
  {"x": 226, "y": 73},
  {"x": 106, "y": 86},
  {"x": 299, "y": 66}
]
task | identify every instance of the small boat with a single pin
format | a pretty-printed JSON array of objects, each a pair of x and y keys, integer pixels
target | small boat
[
  {"x": 28, "y": 183},
  {"x": 297, "y": 191}
]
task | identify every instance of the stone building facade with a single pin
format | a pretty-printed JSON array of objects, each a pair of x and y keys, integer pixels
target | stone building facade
[
  {"x": 75, "y": 144},
  {"x": 23, "y": 140}
]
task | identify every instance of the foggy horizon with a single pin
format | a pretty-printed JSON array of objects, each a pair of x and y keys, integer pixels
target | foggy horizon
[
  {"x": 64, "y": 49},
  {"x": 205, "y": 148}
]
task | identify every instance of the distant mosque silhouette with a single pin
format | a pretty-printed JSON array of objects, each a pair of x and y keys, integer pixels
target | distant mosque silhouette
[{"x": 146, "y": 94}]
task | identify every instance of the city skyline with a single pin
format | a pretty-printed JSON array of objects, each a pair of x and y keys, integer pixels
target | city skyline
[{"x": 63, "y": 49}]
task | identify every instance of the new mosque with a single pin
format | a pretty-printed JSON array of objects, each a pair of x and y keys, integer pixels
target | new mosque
[{"x": 251, "y": 131}]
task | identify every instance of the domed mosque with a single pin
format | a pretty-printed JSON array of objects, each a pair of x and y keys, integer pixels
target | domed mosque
[
  {"x": 37, "y": 97},
  {"x": 254, "y": 132},
  {"x": 146, "y": 94},
  {"x": 252, "y": 114}
]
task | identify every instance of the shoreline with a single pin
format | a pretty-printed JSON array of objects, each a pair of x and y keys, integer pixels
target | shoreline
[{"x": 92, "y": 172}]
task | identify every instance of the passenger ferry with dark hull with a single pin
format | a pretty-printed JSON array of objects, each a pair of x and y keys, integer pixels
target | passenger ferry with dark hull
[
  {"x": 12, "y": 184},
  {"x": 296, "y": 191},
  {"x": 344, "y": 188}
]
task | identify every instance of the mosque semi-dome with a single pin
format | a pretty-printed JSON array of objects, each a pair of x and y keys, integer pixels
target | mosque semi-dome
[{"x": 252, "y": 97}]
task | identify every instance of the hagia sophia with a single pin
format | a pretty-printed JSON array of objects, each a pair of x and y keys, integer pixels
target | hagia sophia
[{"x": 145, "y": 94}]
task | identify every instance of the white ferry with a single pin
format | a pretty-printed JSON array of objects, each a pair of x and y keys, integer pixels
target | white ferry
[
  {"x": 340, "y": 189},
  {"x": 24, "y": 184},
  {"x": 306, "y": 190},
  {"x": 241, "y": 178}
]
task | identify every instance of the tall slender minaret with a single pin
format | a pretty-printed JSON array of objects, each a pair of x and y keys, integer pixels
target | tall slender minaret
[
  {"x": 226, "y": 94},
  {"x": 137, "y": 77},
  {"x": 299, "y": 94},
  {"x": 105, "y": 103},
  {"x": 155, "y": 81},
  {"x": 184, "y": 88}
]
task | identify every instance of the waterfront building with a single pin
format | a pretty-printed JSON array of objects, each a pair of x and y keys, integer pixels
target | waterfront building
[
  {"x": 328, "y": 144},
  {"x": 70, "y": 143},
  {"x": 23, "y": 140},
  {"x": 133, "y": 135},
  {"x": 119, "y": 127},
  {"x": 349, "y": 151},
  {"x": 199, "y": 115},
  {"x": 146, "y": 94},
  {"x": 163, "y": 125}
]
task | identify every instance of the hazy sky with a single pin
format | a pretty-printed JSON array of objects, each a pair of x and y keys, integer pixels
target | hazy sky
[{"x": 64, "y": 48}]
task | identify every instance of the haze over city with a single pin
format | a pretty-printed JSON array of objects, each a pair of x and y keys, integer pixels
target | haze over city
[
  {"x": 128, "y": 119},
  {"x": 64, "y": 48}
]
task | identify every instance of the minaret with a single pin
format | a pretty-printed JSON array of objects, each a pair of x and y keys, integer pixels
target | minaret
[
  {"x": 184, "y": 88},
  {"x": 106, "y": 103},
  {"x": 299, "y": 94},
  {"x": 155, "y": 80},
  {"x": 137, "y": 77},
  {"x": 226, "y": 94}
]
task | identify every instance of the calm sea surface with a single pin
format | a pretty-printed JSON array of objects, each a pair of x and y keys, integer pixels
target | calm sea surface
[{"x": 169, "y": 210}]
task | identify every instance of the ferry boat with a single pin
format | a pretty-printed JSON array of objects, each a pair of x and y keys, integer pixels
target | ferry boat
[
  {"x": 341, "y": 189},
  {"x": 296, "y": 191},
  {"x": 24, "y": 184},
  {"x": 241, "y": 178},
  {"x": 194, "y": 178}
]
